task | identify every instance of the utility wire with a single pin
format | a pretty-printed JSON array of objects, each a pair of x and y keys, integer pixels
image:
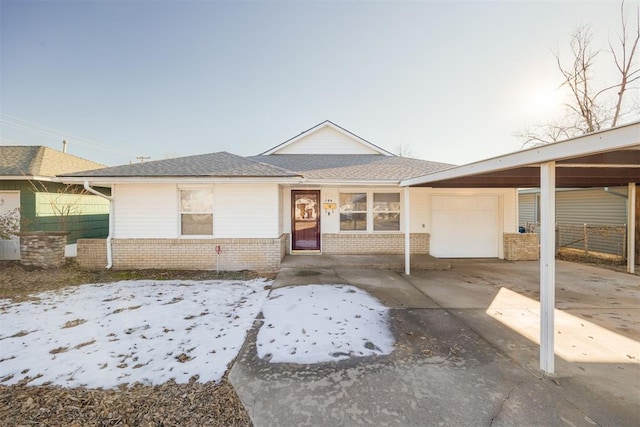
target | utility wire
[{"x": 28, "y": 126}]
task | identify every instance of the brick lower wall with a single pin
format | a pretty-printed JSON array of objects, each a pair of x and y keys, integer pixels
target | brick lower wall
[
  {"x": 345, "y": 243},
  {"x": 521, "y": 246},
  {"x": 264, "y": 255},
  {"x": 92, "y": 253}
]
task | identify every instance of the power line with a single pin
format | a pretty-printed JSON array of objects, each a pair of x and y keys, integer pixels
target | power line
[{"x": 28, "y": 126}]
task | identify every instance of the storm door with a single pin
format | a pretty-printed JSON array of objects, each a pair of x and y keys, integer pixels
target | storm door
[{"x": 305, "y": 220}]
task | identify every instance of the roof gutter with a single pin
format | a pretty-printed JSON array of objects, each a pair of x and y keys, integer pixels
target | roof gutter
[
  {"x": 110, "y": 180},
  {"x": 27, "y": 177},
  {"x": 111, "y": 201}
]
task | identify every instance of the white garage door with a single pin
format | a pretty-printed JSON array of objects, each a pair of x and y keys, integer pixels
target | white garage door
[
  {"x": 464, "y": 226},
  {"x": 9, "y": 249}
]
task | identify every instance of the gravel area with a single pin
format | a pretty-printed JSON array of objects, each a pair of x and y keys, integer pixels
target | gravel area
[
  {"x": 608, "y": 262},
  {"x": 169, "y": 404}
]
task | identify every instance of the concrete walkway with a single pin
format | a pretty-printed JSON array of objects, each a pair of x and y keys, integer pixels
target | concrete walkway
[{"x": 465, "y": 353}]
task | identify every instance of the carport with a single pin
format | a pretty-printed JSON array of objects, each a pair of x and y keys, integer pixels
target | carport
[{"x": 601, "y": 159}]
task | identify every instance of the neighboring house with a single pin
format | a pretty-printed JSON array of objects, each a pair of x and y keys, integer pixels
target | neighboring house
[
  {"x": 26, "y": 174},
  {"x": 324, "y": 191},
  {"x": 599, "y": 214}
]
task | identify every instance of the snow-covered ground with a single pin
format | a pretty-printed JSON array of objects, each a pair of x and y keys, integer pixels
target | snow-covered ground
[
  {"x": 320, "y": 323},
  {"x": 103, "y": 335},
  {"x": 109, "y": 334}
]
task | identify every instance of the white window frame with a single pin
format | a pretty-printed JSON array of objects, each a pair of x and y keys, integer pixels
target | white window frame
[
  {"x": 398, "y": 211},
  {"x": 181, "y": 212},
  {"x": 366, "y": 211},
  {"x": 370, "y": 213}
]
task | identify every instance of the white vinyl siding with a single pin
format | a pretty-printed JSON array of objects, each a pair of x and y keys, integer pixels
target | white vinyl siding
[
  {"x": 527, "y": 209},
  {"x": 281, "y": 226},
  {"x": 326, "y": 141},
  {"x": 246, "y": 211},
  {"x": 419, "y": 215},
  {"x": 146, "y": 211},
  {"x": 240, "y": 211},
  {"x": 593, "y": 206},
  {"x": 580, "y": 206}
]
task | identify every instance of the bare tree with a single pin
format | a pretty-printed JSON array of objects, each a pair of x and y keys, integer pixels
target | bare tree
[
  {"x": 591, "y": 108},
  {"x": 64, "y": 203},
  {"x": 624, "y": 59},
  {"x": 403, "y": 149}
]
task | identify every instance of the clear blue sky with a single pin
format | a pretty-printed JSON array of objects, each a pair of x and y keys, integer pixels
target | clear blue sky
[{"x": 451, "y": 80}]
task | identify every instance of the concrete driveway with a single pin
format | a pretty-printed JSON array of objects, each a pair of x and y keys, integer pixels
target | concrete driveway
[{"x": 466, "y": 353}]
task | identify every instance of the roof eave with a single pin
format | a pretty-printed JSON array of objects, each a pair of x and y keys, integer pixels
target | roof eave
[
  {"x": 26, "y": 178},
  {"x": 353, "y": 182},
  {"x": 106, "y": 180}
]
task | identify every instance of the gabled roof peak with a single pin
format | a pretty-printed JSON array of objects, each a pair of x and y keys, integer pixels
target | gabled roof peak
[{"x": 327, "y": 138}]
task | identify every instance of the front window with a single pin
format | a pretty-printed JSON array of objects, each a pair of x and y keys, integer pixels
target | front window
[
  {"x": 386, "y": 211},
  {"x": 353, "y": 211},
  {"x": 196, "y": 212},
  {"x": 370, "y": 211}
]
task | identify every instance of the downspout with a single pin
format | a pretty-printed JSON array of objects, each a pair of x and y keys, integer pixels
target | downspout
[
  {"x": 407, "y": 232},
  {"x": 110, "y": 199}
]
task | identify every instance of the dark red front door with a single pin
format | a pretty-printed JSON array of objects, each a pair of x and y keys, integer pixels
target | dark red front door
[{"x": 305, "y": 220}]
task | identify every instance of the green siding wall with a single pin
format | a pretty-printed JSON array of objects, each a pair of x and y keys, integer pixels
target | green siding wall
[{"x": 89, "y": 219}]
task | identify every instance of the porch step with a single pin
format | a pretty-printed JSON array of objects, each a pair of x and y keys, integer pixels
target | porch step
[{"x": 381, "y": 262}]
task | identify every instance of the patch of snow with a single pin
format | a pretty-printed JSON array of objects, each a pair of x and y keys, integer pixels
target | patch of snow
[
  {"x": 103, "y": 335},
  {"x": 322, "y": 323}
]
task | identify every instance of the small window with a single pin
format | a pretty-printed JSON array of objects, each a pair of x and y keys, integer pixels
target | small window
[
  {"x": 353, "y": 211},
  {"x": 386, "y": 211},
  {"x": 196, "y": 212}
]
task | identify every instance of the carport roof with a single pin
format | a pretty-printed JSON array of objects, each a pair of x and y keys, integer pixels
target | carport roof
[{"x": 606, "y": 158}]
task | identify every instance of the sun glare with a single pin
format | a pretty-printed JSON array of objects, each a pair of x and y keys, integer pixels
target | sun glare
[
  {"x": 576, "y": 340},
  {"x": 545, "y": 101}
]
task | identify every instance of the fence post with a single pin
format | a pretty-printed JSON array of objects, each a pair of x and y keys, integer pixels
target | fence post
[
  {"x": 624, "y": 242},
  {"x": 586, "y": 239}
]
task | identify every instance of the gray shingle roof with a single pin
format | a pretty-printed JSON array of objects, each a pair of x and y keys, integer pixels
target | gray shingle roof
[
  {"x": 37, "y": 160},
  {"x": 353, "y": 166},
  {"x": 220, "y": 164}
]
